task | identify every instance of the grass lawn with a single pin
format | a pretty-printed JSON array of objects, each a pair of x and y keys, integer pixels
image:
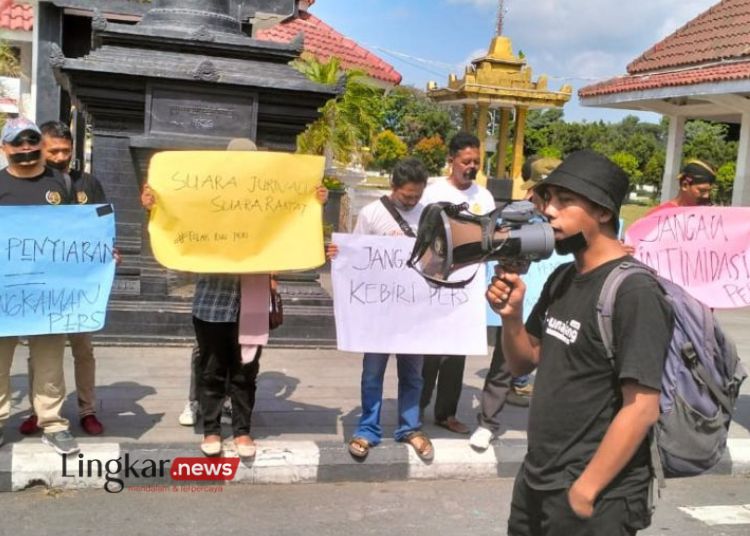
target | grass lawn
[{"x": 630, "y": 213}]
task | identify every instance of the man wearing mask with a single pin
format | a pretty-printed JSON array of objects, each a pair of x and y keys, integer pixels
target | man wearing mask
[
  {"x": 587, "y": 470},
  {"x": 27, "y": 181},
  {"x": 459, "y": 187},
  {"x": 57, "y": 150}
]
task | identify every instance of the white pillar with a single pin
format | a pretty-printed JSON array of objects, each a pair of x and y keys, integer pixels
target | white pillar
[
  {"x": 31, "y": 112},
  {"x": 673, "y": 159},
  {"x": 741, "y": 190}
]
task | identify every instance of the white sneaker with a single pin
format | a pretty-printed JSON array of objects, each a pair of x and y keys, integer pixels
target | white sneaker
[
  {"x": 189, "y": 414},
  {"x": 481, "y": 438}
]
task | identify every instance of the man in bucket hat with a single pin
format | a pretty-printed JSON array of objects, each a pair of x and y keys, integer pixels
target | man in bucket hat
[{"x": 587, "y": 470}]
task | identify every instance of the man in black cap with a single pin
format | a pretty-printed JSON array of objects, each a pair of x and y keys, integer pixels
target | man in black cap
[
  {"x": 587, "y": 470},
  {"x": 27, "y": 181},
  {"x": 696, "y": 184}
]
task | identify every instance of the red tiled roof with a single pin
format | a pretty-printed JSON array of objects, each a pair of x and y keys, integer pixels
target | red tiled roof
[
  {"x": 713, "y": 47},
  {"x": 720, "y": 33},
  {"x": 685, "y": 77},
  {"x": 17, "y": 17},
  {"x": 324, "y": 42}
]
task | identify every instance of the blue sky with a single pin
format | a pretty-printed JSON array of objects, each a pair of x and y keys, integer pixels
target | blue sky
[{"x": 577, "y": 42}]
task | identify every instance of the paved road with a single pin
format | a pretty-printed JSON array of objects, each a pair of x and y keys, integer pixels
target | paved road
[{"x": 397, "y": 508}]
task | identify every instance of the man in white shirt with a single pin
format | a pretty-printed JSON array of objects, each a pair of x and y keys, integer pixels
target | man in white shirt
[
  {"x": 396, "y": 214},
  {"x": 459, "y": 187}
]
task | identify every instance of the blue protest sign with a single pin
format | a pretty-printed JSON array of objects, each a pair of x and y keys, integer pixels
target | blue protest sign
[
  {"x": 57, "y": 268},
  {"x": 534, "y": 279}
]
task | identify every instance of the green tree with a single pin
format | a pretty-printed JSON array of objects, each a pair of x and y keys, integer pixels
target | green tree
[
  {"x": 348, "y": 122},
  {"x": 412, "y": 116},
  {"x": 550, "y": 151},
  {"x": 432, "y": 152},
  {"x": 724, "y": 183},
  {"x": 629, "y": 164},
  {"x": 9, "y": 63},
  {"x": 708, "y": 142},
  {"x": 387, "y": 149},
  {"x": 653, "y": 171},
  {"x": 9, "y": 66}
]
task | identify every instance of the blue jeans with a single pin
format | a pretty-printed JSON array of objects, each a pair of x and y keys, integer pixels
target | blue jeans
[{"x": 409, "y": 391}]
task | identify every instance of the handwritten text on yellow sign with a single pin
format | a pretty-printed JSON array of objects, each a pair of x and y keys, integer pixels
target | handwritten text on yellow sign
[{"x": 236, "y": 212}]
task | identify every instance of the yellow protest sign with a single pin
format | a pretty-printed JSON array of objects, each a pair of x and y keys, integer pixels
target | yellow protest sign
[{"x": 236, "y": 212}]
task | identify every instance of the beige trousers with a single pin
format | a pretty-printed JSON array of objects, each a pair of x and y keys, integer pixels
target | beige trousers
[
  {"x": 84, "y": 367},
  {"x": 47, "y": 390}
]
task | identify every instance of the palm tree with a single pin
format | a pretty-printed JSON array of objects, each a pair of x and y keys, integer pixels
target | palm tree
[{"x": 349, "y": 121}]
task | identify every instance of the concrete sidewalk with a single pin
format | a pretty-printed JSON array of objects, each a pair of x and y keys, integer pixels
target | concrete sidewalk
[{"x": 307, "y": 404}]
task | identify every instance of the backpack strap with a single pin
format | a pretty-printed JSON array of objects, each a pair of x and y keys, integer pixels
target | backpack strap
[
  {"x": 605, "y": 307},
  {"x": 699, "y": 372},
  {"x": 405, "y": 227}
]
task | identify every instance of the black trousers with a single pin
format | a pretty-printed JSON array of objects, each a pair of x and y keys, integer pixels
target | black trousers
[
  {"x": 548, "y": 513},
  {"x": 222, "y": 374},
  {"x": 496, "y": 387},
  {"x": 195, "y": 361},
  {"x": 447, "y": 372}
]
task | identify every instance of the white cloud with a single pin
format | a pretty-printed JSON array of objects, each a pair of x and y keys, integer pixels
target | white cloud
[
  {"x": 583, "y": 41},
  {"x": 595, "y": 41}
]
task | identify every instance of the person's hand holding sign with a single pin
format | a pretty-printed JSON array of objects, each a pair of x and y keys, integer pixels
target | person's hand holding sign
[{"x": 148, "y": 200}]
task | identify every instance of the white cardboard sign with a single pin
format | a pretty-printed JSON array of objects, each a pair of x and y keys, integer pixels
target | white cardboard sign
[{"x": 383, "y": 306}]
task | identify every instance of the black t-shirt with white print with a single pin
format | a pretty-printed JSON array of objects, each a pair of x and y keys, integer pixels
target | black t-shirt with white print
[
  {"x": 577, "y": 392},
  {"x": 47, "y": 188}
]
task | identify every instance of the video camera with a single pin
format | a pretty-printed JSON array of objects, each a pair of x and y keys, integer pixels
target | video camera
[{"x": 450, "y": 238}]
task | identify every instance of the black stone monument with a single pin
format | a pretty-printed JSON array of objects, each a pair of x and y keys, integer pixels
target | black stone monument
[{"x": 185, "y": 77}]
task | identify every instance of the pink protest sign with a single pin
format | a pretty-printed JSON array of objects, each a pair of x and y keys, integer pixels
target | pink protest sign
[{"x": 705, "y": 250}]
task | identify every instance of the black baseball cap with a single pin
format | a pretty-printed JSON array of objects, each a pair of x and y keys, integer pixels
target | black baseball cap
[{"x": 593, "y": 176}]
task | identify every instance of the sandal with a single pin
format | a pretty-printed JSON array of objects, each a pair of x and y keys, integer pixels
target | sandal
[
  {"x": 245, "y": 448},
  {"x": 210, "y": 446},
  {"x": 359, "y": 447},
  {"x": 422, "y": 445}
]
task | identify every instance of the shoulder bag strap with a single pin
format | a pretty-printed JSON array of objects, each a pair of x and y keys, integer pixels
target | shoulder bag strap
[{"x": 405, "y": 227}]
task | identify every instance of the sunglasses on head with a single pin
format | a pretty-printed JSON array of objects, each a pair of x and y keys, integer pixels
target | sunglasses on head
[{"x": 31, "y": 139}]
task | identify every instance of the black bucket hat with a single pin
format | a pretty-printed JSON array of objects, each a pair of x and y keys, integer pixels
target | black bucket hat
[{"x": 593, "y": 176}]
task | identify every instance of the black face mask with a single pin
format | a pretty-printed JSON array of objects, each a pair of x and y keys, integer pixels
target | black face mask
[
  {"x": 471, "y": 174},
  {"x": 59, "y": 166},
  {"x": 703, "y": 201},
  {"x": 572, "y": 244},
  {"x": 23, "y": 158}
]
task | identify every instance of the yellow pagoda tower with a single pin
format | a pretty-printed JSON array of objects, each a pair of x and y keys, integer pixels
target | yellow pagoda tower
[{"x": 499, "y": 80}]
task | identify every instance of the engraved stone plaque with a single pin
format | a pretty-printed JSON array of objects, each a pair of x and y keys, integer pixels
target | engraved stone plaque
[
  {"x": 127, "y": 287},
  {"x": 212, "y": 113}
]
